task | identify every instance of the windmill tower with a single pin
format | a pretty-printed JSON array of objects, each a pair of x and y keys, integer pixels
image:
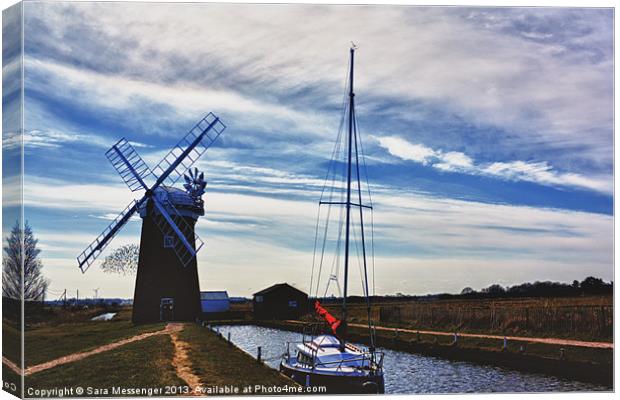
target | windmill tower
[{"x": 167, "y": 277}]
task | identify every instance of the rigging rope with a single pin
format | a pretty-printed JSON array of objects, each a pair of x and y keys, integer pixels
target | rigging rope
[
  {"x": 372, "y": 214},
  {"x": 329, "y": 170},
  {"x": 336, "y": 179}
]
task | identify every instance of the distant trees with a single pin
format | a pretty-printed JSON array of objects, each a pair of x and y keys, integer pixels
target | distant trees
[
  {"x": 467, "y": 290},
  {"x": 589, "y": 285},
  {"x": 494, "y": 290},
  {"x": 594, "y": 285},
  {"x": 123, "y": 260},
  {"x": 15, "y": 256}
]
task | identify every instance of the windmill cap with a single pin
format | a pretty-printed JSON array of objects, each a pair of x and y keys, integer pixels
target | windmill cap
[{"x": 183, "y": 202}]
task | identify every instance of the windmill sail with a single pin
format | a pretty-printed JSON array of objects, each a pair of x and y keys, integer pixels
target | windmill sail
[
  {"x": 129, "y": 165},
  {"x": 187, "y": 151},
  {"x": 86, "y": 258},
  {"x": 134, "y": 172},
  {"x": 172, "y": 224}
]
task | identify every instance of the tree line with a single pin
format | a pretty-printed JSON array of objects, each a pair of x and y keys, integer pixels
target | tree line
[{"x": 589, "y": 286}]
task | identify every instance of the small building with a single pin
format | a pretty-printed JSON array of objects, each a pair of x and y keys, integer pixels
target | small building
[
  {"x": 280, "y": 301},
  {"x": 214, "y": 302}
]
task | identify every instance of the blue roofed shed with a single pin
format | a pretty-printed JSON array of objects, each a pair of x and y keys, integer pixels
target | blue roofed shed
[{"x": 214, "y": 302}]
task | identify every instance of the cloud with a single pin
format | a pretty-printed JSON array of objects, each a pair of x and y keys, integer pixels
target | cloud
[
  {"x": 115, "y": 92},
  {"x": 534, "y": 85},
  {"x": 407, "y": 151},
  {"x": 450, "y": 236},
  {"x": 54, "y": 138},
  {"x": 57, "y": 194},
  {"x": 538, "y": 172},
  {"x": 542, "y": 82},
  {"x": 543, "y": 173}
]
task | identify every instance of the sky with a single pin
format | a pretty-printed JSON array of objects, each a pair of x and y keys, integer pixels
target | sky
[{"x": 488, "y": 135}]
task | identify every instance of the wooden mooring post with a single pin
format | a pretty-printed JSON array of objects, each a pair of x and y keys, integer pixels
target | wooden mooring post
[{"x": 259, "y": 355}]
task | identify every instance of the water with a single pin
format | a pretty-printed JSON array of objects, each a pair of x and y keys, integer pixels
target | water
[
  {"x": 104, "y": 317},
  {"x": 407, "y": 373}
]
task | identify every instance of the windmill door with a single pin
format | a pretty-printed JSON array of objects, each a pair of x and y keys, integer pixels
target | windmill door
[{"x": 166, "y": 309}]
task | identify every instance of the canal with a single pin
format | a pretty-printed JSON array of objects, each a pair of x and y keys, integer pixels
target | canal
[{"x": 407, "y": 373}]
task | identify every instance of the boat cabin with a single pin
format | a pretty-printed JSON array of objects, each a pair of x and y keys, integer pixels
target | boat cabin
[{"x": 323, "y": 352}]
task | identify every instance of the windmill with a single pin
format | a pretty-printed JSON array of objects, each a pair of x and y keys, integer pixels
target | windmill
[{"x": 167, "y": 275}]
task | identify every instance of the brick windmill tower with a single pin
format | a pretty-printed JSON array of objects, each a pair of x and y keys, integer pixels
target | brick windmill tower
[{"x": 167, "y": 279}]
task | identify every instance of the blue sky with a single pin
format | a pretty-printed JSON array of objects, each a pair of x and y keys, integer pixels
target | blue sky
[{"x": 488, "y": 134}]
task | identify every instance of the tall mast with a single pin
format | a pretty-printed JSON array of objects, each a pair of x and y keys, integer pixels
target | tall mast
[{"x": 348, "y": 205}]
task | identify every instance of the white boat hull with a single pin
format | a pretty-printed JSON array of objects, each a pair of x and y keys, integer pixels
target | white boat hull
[{"x": 335, "y": 382}]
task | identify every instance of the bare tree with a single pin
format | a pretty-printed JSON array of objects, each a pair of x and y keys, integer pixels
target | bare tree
[
  {"x": 123, "y": 260},
  {"x": 34, "y": 283}
]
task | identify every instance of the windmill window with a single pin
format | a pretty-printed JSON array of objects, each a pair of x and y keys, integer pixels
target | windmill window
[
  {"x": 292, "y": 303},
  {"x": 259, "y": 299},
  {"x": 168, "y": 242}
]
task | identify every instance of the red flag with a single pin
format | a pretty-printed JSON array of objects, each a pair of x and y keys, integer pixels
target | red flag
[{"x": 333, "y": 322}]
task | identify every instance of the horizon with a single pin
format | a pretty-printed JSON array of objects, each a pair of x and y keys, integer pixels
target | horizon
[
  {"x": 398, "y": 294},
  {"x": 488, "y": 134}
]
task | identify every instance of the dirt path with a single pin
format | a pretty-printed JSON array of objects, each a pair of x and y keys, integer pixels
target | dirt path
[
  {"x": 180, "y": 360},
  {"x": 11, "y": 365},
  {"x": 182, "y": 363},
  {"x": 560, "y": 342},
  {"x": 556, "y": 341},
  {"x": 169, "y": 329}
]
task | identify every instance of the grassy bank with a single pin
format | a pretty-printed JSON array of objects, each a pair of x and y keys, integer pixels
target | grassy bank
[
  {"x": 11, "y": 341},
  {"x": 148, "y": 364},
  {"x": 143, "y": 364},
  {"x": 219, "y": 363},
  {"x": 48, "y": 341}
]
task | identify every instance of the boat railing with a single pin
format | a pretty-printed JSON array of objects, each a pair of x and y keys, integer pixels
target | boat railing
[
  {"x": 367, "y": 356},
  {"x": 364, "y": 357}
]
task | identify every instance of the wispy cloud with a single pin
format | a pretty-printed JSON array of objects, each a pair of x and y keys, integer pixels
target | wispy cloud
[
  {"x": 120, "y": 93},
  {"x": 518, "y": 95},
  {"x": 540, "y": 172},
  {"x": 471, "y": 235},
  {"x": 545, "y": 93}
]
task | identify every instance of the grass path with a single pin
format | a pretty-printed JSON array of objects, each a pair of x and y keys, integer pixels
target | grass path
[
  {"x": 169, "y": 329},
  {"x": 186, "y": 359},
  {"x": 144, "y": 364},
  {"x": 180, "y": 361}
]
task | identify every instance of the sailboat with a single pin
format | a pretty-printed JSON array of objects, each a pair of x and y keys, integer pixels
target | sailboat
[{"x": 330, "y": 359}]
